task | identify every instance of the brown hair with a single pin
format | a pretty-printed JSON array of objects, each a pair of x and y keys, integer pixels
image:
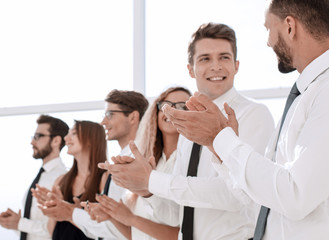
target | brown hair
[
  {"x": 129, "y": 101},
  {"x": 313, "y": 14},
  {"x": 92, "y": 136},
  {"x": 57, "y": 127},
  {"x": 214, "y": 31},
  {"x": 151, "y": 143}
]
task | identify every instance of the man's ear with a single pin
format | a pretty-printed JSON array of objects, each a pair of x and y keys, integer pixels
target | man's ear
[
  {"x": 191, "y": 70},
  {"x": 56, "y": 141},
  {"x": 290, "y": 26},
  {"x": 237, "y": 65},
  {"x": 134, "y": 116}
]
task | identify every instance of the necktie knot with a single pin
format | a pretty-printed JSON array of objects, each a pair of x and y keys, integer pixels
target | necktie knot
[{"x": 294, "y": 90}]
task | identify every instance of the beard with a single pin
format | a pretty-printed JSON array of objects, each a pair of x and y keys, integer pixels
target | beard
[
  {"x": 42, "y": 153},
  {"x": 284, "y": 56}
]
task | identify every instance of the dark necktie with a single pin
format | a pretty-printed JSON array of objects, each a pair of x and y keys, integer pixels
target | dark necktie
[
  {"x": 264, "y": 211},
  {"x": 188, "y": 219},
  {"x": 106, "y": 189},
  {"x": 107, "y": 185},
  {"x": 28, "y": 201}
]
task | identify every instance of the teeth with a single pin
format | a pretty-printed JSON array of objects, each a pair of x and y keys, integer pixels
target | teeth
[{"x": 216, "y": 78}]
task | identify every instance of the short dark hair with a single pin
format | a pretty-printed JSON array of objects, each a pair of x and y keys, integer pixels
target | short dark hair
[
  {"x": 313, "y": 14},
  {"x": 128, "y": 101},
  {"x": 214, "y": 31},
  {"x": 57, "y": 127}
]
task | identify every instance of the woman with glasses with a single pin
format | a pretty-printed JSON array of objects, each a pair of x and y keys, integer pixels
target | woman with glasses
[
  {"x": 157, "y": 137},
  {"x": 87, "y": 144}
]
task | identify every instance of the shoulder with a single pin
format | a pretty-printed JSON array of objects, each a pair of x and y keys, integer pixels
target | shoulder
[{"x": 246, "y": 106}]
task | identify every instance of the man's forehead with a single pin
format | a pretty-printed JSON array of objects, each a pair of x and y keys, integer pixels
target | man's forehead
[
  {"x": 210, "y": 46},
  {"x": 43, "y": 127}
]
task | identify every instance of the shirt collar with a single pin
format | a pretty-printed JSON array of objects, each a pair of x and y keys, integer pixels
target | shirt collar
[
  {"x": 48, "y": 166},
  {"x": 312, "y": 71},
  {"x": 226, "y": 97},
  {"x": 125, "y": 151}
]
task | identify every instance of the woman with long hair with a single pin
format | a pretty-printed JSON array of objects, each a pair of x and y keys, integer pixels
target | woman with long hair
[
  {"x": 157, "y": 137},
  {"x": 87, "y": 144}
]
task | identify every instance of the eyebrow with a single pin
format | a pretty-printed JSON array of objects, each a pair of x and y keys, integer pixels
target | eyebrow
[{"x": 207, "y": 54}]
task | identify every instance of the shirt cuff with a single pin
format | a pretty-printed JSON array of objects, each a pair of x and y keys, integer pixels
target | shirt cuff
[
  {"x": 78, "y": 215},
  {"x": 159, "y": 183},
  {"x": 21, "y": 224},
  {"x": 225, "y": 141}
]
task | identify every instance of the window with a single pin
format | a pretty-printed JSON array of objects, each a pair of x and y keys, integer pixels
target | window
[{"x": 170, "y": 24}]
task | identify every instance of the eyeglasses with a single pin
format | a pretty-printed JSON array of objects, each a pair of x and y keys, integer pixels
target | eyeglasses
[
  {"x": 177, "y": 105},
  {"x": 37, "y": 136},
  {"x": 109, "y": 114}
]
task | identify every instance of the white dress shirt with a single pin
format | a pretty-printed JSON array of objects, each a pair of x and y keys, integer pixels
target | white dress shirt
[
  {"x": 154, "y": 208},
  {"x": 106, "y": 229},
  {"x": 221, "y": 212},
  {"x": 295, "y": 187},
  {"x": 36, "y": 226}
]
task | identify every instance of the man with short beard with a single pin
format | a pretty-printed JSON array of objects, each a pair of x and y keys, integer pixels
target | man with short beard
[{"x": 47, "y": 142}]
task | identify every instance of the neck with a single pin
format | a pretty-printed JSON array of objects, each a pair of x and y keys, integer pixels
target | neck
[
  {"x": 51, "y": 156},
  {"x": 309, "y": 54},
  {"x": 83, "y": 164},
  {"x": 169, "y": 143},
  {"x": 124, "y": 141}
]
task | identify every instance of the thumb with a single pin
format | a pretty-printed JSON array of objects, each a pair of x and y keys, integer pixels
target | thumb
[
  {"x": 203, "y": 101},
  {"x": 152, "y": 162},
  {"x": 76, "y": 202},
  {"x": 232, "y": 121},
  {"x": 58, "y": 192},
  {"x": 19, "y": 212},
  {"x": 135, "y": 151}
]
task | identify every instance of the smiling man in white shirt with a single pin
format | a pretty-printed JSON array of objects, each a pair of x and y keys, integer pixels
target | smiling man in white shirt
[
  {"x": 220, "y": 212},
  {"x": 294, "y": 186},
  {"x": 47, "y": 143}
]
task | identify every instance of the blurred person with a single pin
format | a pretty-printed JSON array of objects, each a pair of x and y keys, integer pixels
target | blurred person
[
  {"x": 150, "y": 218},
  {"x": 86, "y": 143},
  {"x": 47, "y": 143},
  {"x": 123, "y": 113}
]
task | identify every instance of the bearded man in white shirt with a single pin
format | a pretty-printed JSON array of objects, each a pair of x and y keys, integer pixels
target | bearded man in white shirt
[
  {"x": 220, "y": 212},
  {"x": 293, "y": 188},
  {"x": 47, "y": 143}
]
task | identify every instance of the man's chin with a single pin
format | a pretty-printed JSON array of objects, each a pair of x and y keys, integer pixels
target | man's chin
[{"x": 284, "y": 68}]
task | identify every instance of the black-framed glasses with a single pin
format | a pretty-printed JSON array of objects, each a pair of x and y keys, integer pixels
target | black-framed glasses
[
  {"x": 177, "y": 105},
  {"x": 109, "y": 113},
  {"x": 37, "y": 136}
]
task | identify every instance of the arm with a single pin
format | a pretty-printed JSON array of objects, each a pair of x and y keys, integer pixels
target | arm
[
  {"x": 198, "y": 192},
  {"x": 94, "y": 229},
  {"x": 121, "y": 213},
  {"x": 293, "y": 185}
]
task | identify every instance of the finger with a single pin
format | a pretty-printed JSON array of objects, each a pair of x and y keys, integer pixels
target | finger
[
  {"x": 19, "y": 213},
  {"x": 135, "y": 151},
  {"x": 233, "y": 122},
  {"x": 152, "y": 162},
  {"x": 194, "y": 104},
  {"x": 122, "y": 159},
  {"x": 10, "y": 211},
  {"x": 172, "y": 113},
  {"x": 106, "y": 201},
  {"x": 76, "y": 202},
  {"x": 116, "y": 169},
  {"x": 83, "y": 204},
  {"x": 102, "y": 166}
]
